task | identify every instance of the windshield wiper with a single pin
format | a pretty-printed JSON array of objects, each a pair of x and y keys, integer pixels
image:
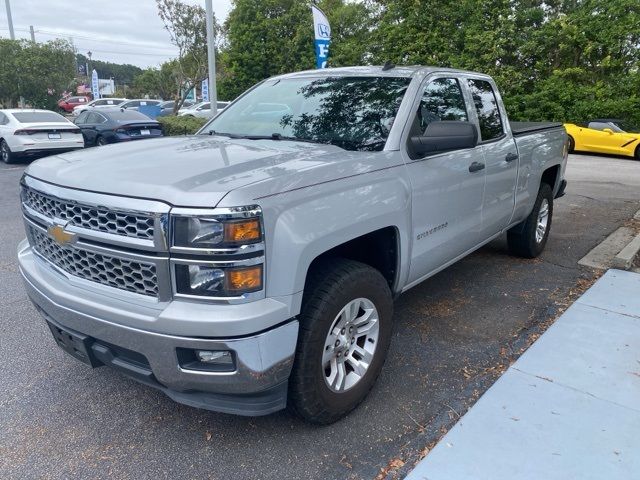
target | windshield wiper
[{"x": 273, "y": 136}]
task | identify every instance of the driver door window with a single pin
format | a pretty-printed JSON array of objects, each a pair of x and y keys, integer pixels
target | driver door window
[{"x": 442, "y": 100}]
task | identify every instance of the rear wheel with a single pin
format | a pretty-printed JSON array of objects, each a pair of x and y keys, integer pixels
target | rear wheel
[
  {"x": 637, "y": 155},
  {"x": 100, "y": 141},
  {"x": 6, "y": 153},
  {"x": 345, "y": 331},
  {"x": 529, "y": 238}
]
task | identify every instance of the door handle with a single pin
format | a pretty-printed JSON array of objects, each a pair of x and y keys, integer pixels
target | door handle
[
  {"x": 476, "y": 167},
  {"x": 511, "y": 157}
]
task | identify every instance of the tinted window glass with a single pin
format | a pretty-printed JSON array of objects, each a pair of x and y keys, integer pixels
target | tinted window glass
[
  {"x": 442, "y": 100},
  {"x": 487, "y": 107},
  {"x": 82, "y": 118},
  {"x": 3, "y": 119},
  {"x": 355, "y": 113},
  {"x": 37, "y": 117}
]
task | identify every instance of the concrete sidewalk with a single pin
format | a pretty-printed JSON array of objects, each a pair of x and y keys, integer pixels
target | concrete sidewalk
[{"x": 569, "y": 408}]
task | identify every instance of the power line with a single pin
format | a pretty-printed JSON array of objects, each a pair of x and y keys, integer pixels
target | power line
[{"x": 85, "y": 37}]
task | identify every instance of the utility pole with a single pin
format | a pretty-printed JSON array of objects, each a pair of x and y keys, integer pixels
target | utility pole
[
  {"x": 33, "y": 34},
  {"x": 12, "y": 35},
  {"x": 211, "y": 57}
]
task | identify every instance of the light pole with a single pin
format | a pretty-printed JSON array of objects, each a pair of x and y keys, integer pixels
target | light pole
[
  {"x": 211, "y": 57},
  {"x": 12, "y": 35}
]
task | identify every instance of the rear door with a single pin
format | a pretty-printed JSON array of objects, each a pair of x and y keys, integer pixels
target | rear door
[
  {"x": 446, "y": 194},
  {"x": 500, "y": 156}
]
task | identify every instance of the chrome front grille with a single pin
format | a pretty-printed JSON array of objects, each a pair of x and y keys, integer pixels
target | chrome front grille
[
  {"x": 95, "y": 218},
  {"x": 125, "y": 274}
]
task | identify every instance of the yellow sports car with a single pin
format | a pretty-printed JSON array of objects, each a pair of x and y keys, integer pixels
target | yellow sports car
[{"x": 605, "y": 135}]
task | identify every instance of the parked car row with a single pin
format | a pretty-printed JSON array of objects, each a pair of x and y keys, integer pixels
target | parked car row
[
  {"x": 33, "y": 133},
  {"x": 77, "y": 105}
]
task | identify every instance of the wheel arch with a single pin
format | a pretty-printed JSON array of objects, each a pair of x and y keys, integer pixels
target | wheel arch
[{"x": 380, "y": 249}]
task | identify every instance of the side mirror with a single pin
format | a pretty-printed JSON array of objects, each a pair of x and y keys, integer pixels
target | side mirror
[
  {"x": 445, "y": 135},
  {"x": 608, "y": 130}
]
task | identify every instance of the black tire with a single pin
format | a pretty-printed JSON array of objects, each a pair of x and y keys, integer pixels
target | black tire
[
  {"x": 6, "y": 154},
  {"x": 522, "y": 238},
  {"x": 572, "y": 144},
  {"x": 101, "y": 141},
  {"x": 637, "y": 155},
  {"x": 329, "y": 288}
]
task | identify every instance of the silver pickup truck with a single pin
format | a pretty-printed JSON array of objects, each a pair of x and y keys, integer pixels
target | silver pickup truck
[{"x": 254, "y": 265}]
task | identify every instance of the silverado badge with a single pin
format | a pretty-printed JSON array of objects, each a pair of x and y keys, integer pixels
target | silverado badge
[{"x": 60, "y": 235}]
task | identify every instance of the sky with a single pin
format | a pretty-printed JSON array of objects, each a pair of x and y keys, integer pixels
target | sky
[{"x": 122, "y": 31}]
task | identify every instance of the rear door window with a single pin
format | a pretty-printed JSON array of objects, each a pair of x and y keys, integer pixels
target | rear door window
[{"x": 486, "y": 104}]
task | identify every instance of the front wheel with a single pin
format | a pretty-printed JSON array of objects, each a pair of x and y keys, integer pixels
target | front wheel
[
  {"x": 572, "y": 144},
  {"x": 529, "y": 238},
  {"x": 345, "y": 331}
]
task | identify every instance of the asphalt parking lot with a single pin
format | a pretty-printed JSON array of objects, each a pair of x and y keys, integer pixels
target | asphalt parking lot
[{"x": 454, "y": 334}]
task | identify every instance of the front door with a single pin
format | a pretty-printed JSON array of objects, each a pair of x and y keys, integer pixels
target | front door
[{"x": 446, "y": 193}]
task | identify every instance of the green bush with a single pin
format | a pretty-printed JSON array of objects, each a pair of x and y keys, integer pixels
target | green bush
[{"x": 181, "y": 125}]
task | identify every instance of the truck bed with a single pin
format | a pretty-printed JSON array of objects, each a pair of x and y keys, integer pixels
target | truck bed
[{"x": 525, "y": 128}]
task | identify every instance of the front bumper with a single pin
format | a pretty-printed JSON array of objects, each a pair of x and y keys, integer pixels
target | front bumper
[{"x": 263, "y": 360}]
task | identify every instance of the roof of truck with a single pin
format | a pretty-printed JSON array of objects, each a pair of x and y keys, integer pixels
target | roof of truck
[{"x": 374, "y": 70}]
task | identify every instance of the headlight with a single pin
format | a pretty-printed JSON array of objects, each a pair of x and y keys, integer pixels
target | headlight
[
  {"x": 213, "y": 281},
  {"x": 241, "y": 227}
]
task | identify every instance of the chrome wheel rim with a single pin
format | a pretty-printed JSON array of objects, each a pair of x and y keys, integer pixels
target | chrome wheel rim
[
  {"x": 543, "y": 220},
  {"x": 5, "y": 152},
  {"x": 350, "y": 344}
]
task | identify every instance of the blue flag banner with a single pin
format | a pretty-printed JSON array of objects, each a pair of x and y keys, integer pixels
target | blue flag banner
[
  {"x": 322, "y": 36},
  {"x": 95, "y": 85},
  {"x": 205, "y": 90}
]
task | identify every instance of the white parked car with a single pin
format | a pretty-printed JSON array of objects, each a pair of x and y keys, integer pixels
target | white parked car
[
  {"x": 28, "y": 133},
  {"x": 136, "y": 104},
  {"x": 202, "y": 109},
  {"x": 99, "y": 103}
]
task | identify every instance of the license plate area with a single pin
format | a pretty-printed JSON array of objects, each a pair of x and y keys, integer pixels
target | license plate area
[
  {"x": 145, "y": 131},
  {"x": 55, "y": 136},
  {"x": 75, "y": 344}
]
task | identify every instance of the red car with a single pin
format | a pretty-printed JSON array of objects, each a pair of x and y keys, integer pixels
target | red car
[{"x": 68, "y": 103}]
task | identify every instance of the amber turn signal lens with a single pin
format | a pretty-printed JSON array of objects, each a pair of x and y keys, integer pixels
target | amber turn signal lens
[
  {"x": 244, "y": 280},
  {"x": 242, "y": 232}
]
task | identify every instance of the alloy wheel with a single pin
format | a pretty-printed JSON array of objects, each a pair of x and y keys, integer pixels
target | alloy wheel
[
  {"x": 543, "y": 220},
  {"x": 350, "y": 344}
]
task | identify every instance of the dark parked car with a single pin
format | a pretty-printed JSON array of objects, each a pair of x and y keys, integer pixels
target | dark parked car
[{"x": 112, "y": 126}]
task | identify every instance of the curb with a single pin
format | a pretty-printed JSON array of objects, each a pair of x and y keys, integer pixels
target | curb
[{"x": 627, "y": 255}]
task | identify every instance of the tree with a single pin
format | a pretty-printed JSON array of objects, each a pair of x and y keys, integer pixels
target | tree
[
  {"x": 39, "y": 72},
  {"x": 186, "y": 25},
  {"x": 270, "y": 37}
]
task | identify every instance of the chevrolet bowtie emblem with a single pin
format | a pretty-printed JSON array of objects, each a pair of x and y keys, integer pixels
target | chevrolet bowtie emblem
[{"x": 60, "y": 235}]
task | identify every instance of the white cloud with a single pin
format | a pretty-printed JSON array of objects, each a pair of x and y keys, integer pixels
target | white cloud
[{"x": 121, "y": 31}]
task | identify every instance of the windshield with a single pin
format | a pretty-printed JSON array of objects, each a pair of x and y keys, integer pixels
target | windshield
[
  {"x": 355, "y": 113},
  {"x": 626, "y": 127}
]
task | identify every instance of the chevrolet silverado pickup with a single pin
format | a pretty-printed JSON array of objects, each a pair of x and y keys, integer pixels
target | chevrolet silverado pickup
[{"x": 253, "y": 266}]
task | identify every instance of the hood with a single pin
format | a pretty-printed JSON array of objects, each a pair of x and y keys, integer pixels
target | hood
[{"x": 195, "y": 171}]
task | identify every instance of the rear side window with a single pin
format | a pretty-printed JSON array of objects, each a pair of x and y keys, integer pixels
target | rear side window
[
  {"x": 442, "y": 100},
  {"x": 3, "y": 119},
  {"x": 38, "y": 117},
  {"x": 484, "y": 99},
  {"x": 82, "y": 118}
]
